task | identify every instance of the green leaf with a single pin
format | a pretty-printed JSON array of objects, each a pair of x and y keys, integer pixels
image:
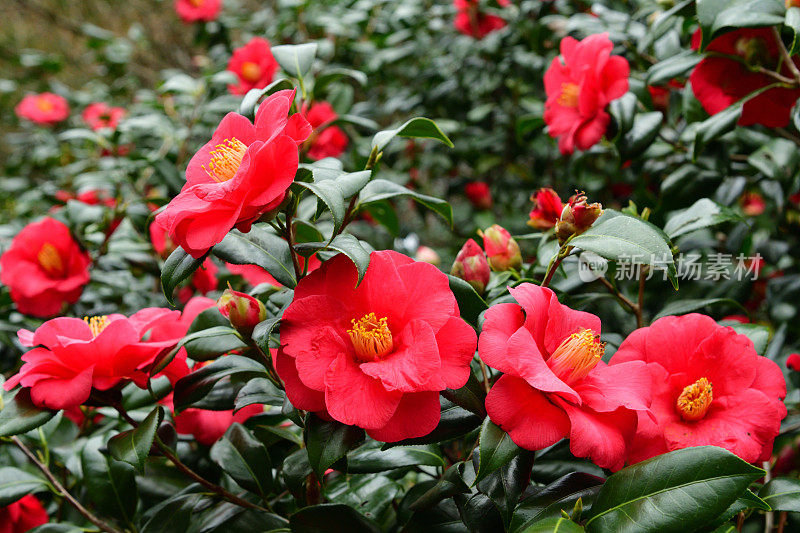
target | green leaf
[
  {"x": 496, "y": 449},
  {"x": 641, "y": 135},
  {"x": 295, "y": 59},
  {"x": 259, "y": 247},
  {"x": 419, "y": 127},
  {"x": 336, "y": 74},
  {"x": 623, "y": 110},
  {"x": 616, "y": 236},
  {"x": 369, "y": 460},
  {"x": 245, "y": 459},
  {"x": 792, "y": 21},
  {"x": 380, "y": 189},
  {"x": 178, "y": 266},
  {"x": 110, "y": 485},
  {"x": 211, "y": 343},
  {"x": 782, "y": 494},
  {"x": 334, "y": 190},
  {"x": 174, "y": 514},
  {"x": 470, "y": 303},
  {"x": 295, "y": 470},
  {"x": 505, "y": 485},
  {"x": 454, "y": 422},
  {"x": 552, "y": 525},
  {"x": 472, "y": 396},
  {"x": 18, "y": 414},
  {"x": 262, "y": 332},
  {"x": 701, "y": 482},
  {"x": 676, "y": 66},
  {"x": 716, "y": 126},
  {"x": 196, "y": 386},
  {"x": 755, "y": 332},
  {"x": 682, "y": 307},
  {"x": 715, "y": 16},
  {"x": 16, "y": 483},
  {"x": 331, "y": 518},
  {"x": 259, "y": 390},
  {"x": 703, "y": 213},
  {"x": 450, "y": 484},
  {"x": 133, "y": 446},
  {"x": 248, "y": 105},
  {"x": 560, "y": 495},
  {"x": 746, "y": 501},
  {"x": 327, "y": 441},
  {"x": 346, "y": 244}
]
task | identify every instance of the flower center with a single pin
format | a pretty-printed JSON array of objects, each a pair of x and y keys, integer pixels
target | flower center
[
  {"x": 225, "y": 159},
  {"x": 44, "y": 104},
  {"x": 197, "y": 3},
  {"x": 371, "y": 337},
  {"x": 96, "y": 324},
  {"x": 695, "y": 399},
  {"x": 577, "y": 355},
  {"x": 251, "y": 71},
  {"x": 50, "y": 260},
  {"x": 752, "y": 49},
  {"x": 569, "y": 95}
]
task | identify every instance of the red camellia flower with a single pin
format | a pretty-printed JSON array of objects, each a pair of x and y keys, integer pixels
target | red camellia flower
[
  {"x": 376, "y": 355},
  {"x": 471, "y": 21},
  {"x": 254, "y": 64},
  {"x": 44, "y": 268},
  {"x": 554, "y": 383},
  {"x": 719, "y": 81},
  {"x": 326, "y": 140},
  {"x": 793, "y": 362},
  {"x": 196, "y": 10},
  {"x": 43, "y": 108},
  {"x": 479, "y": 194},
  {"x": 208, "y": 426},
  {"x": 752, "y": 203},
  {"x": 240, "y": 174},
  {"x": 546, "y": 210},
  {"x": 579, "y": 85},
  {"x": 70, "y": 356},
  {"x": 22, "y": 515},
  {"x": 709, "y": 388},
  {"x": 101, "y": 115}
]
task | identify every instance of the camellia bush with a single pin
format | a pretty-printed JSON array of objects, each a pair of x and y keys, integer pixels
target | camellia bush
[{"x": 421, "y": 266}]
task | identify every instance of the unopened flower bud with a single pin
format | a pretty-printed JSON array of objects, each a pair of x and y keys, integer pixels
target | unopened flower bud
[
  {"x": 479, "y": 194},
  {"x": 792, "y": 3},
  {"x": 471, "y": 266},
  {"x": 242, "y": 310},
  {"x": 578, "y": 216},
  {"x": 546, "y": 210},
  {"x": 501, "y": 249},
  {"x": 428, "y": 255}
]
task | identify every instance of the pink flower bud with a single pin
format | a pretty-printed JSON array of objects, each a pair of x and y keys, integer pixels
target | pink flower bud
[
  {"x": 546, "y": 210},
  {"x": 471, "y": 266},
  {"x": 501, "y": 249},
  {"x": 578, "y": 216},
  {"x": 479, "y": 194},
  {"x": 428, "y": 255},
  {"x": 793, "y": 362},
  {"x": 242, "y": 310}
]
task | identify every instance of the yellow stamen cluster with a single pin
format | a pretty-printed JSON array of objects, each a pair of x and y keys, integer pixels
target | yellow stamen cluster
[
  {"x": 694, "y": 401},
  {"x": 44, "y": 104},
  {"x": 50, "y": 259},
  {"x": 371, "y": 337},
  {"x": 225, "y": 159},
  {"x": 96, "y": 324},
  {"x": 251, "y": 71},
  {"x": 577, "y": 355},
  {"x": 569, "y": 95}
]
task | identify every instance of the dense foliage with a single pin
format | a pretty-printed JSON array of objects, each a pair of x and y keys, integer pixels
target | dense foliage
[{"x": 366, "y": 265}]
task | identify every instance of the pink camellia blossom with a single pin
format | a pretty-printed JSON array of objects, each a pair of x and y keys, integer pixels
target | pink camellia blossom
[
  {"x": 70, "y": 357},
  {"x": 100, "y": 115},
  {"x": 579, "y": 84},
  {"x": 22, "y": 515},
  {"x": 471, "y": 266},
  {"x": 502, "y": 251},
  {"x": 253, "y": 64},
  {"x": 546, "y": 210},
  {"x": 240, "y": 174},
  {"x": 327, "y": 140},
  {"x": 375, "y": 354},
  {"x": 44, "y": 268},
  {"x": 793, "y": 362},
  {"x": 555, "y": 384},
  {"x": 43, "y": 108},
  {"x": 709, "y": 387},
  {"x": 470, "y": 20},
  {"x": 198, "y": 10}
]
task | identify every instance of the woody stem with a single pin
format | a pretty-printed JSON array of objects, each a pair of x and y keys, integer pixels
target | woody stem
[
  {"x": 108, "y": 528},
  {"x": 563, "y": 252},
  {"x": 785, "y": 54}
]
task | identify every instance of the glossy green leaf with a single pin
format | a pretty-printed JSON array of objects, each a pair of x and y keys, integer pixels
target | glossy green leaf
[
  {"x": 244, "y": 458},
  {"x": 619, "y": 237},
  {"x": 295, "y": 59},
  {"x": 470, "y": 303},
  {"x": 133, "y": 446},
  {"x": 505, "y": 485},
  {"x": 450, "y": 484},
  {"x": 703, "y": 213},
  {"x": 110, "y": 485},
  {"x": 258, "y": 247},
  {"x": 553, "y": 525},
  {"x": 419, "y": 127},
  {"x": 701, "y": 481},
  {"x": 368, "y": 460},
  {"x": 330, "y": 518},
  {"x": 755, "y": 332},
  {"x": 259, "y": 390},
  {"x": 792, "y": 21},
  {"x": 327, "y": 441},
  {"x": 174, "y": 514},
  {"x": 496, "y": 449},
  {"x": 178, "y": 266},
  {"x": 16, "y": 483},
  {"x": 249, "y": 101},
  {"x": 18, "y": 414},
  {"x": 643, "y": 132},
  {"x": 346, "y": 244},
  {"x": 690, "y": 305},
  {"x": 210, "y": 343},
  {"x": 558, "y": 496},
  {"x": 716, "y": 16},
  {"x": 782, "y": 494},
  {"x": 676, "y": 66},
  {"x": 380, "y": 189},
  {"x": 195, "y": 386}
]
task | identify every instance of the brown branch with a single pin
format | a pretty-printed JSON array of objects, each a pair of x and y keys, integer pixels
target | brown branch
[
  {"x": 785, "y": 54},
  {"x": 62, "y": 491}
]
